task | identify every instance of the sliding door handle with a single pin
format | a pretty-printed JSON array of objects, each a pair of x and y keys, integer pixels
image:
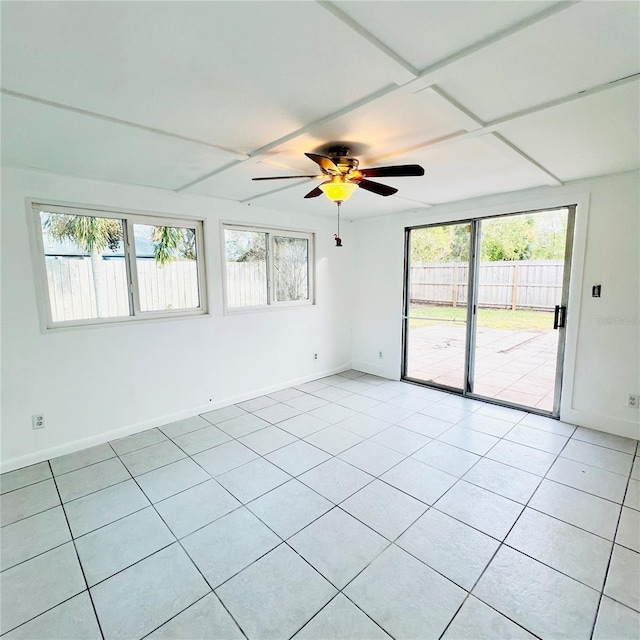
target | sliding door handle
[
  {"x": 563, "y": 317},
  {"x": 559, "y": 317}
]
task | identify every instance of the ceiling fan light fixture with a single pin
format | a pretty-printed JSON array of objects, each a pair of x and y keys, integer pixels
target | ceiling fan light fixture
[{"x": 338, "y": 190}]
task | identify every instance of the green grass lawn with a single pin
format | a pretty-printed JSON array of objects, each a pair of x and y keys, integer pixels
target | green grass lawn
[{"x": 487, "y": 318}]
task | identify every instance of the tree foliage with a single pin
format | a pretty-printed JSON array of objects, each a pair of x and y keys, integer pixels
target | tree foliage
[
  {"x": 449, "y": 243},
  {"x": 538, "y": 236},
  {"x": 507, "y": 239},
  {"x": 290, "y": 268},
  {"x": 170, "y": 243},
  {"x": 245, "y": 246},
  {"x": 91, "y": 234}
]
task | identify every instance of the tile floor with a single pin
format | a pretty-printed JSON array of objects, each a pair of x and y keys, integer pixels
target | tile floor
[{"x": 349, "y": 507}]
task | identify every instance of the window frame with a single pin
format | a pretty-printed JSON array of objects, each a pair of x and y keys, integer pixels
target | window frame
[
  {"x": 128, "y": 218},
  {"x": 271, "y": 232}
]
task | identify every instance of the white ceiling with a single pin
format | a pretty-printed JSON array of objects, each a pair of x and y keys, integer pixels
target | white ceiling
[{"x": 199, "y": 97}]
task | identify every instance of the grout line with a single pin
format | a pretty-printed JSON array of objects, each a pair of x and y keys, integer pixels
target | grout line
[
  {"x": 90, "y": 493},
  {"x": 175, "y": 616},
  {"x": 31, "y": 515},
  {"x": 613, "y": 547},
  {"x": 340, "y": 590},
  {"x": 84, "y": 577},
  {"x": 178, "y": 541},
  {"x": 30, "y": 484},
  {"x": 492, "y": 559}
]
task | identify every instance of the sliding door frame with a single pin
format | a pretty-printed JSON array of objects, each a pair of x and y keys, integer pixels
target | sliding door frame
[
  {"x": 406, "y": 306},
  {"x": 472, "y": 301}
]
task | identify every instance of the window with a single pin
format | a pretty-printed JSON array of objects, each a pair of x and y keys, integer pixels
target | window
[
  {"x": 267, "y": 267},
  {"x": 103, "y": 267}
]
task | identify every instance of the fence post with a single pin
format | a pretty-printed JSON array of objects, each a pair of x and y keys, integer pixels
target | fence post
[
  {"x": 514, "y": 292},
  {"x": 455, "y": 286}
]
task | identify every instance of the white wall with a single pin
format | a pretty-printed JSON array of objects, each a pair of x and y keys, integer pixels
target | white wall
[
  {"x": 602, "y": 363},
  {"x": 94, "y": 384}
]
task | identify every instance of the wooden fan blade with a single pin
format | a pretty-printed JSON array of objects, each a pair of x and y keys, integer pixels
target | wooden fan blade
[
  {"x": 397, "y": 171},
  {"x": 326, "y": 164},
  {"x": 286, "y": 177},
  {"x": 377, "y": 188},
  {"x": 314, "y": 193}
]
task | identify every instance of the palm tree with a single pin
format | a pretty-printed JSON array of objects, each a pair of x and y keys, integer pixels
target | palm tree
[
  {"x": 170, "y": 242},
  {"x": 92, "y": 235}
]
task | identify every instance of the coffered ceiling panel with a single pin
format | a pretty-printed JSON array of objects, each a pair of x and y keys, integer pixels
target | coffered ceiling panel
[
  {"x": 594, "y": 136},
  {"x": 40, "y": 137},
  {"x": 424, "y": 33},
  {"x": 236, "y": 74},
  {"x": 589, "y": 44},
  {"x": 463, "y": 170}
]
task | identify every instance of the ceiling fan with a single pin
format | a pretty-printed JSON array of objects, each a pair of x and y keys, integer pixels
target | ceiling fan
[{"x": 342, "y": 175}]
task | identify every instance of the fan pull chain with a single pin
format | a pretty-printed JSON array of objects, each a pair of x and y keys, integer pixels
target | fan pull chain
[{"x": 337, "y": 235}]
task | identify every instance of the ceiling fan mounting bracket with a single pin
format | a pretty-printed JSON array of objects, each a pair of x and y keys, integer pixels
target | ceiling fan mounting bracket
[{"x": 338, "y": 150}]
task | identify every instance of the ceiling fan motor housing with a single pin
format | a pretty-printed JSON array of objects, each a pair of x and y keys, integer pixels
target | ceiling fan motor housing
[{"x": 340, "y": 157}]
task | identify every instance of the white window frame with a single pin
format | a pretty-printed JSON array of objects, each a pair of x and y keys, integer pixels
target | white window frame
[
  {"x": 128, "y": 218},
  {"x": 271, "y": 232}
]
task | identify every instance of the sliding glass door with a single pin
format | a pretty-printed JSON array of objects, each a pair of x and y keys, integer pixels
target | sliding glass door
[
  {"x": 520, "y": 282},
  {"x": 486, "y": 305},
  {"x": 436, "y": 304}
]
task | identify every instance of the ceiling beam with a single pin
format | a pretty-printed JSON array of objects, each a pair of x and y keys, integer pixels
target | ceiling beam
[
  {"x": 484, "y": 128},
  {"x": 516, "y": 155},
  {"x": 125, "y": 123},
  {"x": 436, "y": 71},
  {"x": 495, "y": 124},
  {"x": 408, "y": 71},
  {"x": 475, "y": 128}
]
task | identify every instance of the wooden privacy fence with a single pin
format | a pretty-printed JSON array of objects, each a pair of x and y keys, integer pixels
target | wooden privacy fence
[
  {"x": 72, "y": 292},
  {"x": 518, "y": 284},
  {"x": 246, "y": 284},
  {"x": 173, "y": 286}
]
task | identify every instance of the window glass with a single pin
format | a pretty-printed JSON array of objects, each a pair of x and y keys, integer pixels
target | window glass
[
  {"x": 291, "y": 268},
  {"x": 85, "y": 266},
  {"x": 246, "y": 266},
  {"x": 166, "y": 267}
]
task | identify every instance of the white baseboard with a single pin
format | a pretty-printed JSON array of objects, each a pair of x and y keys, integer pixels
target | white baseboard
[
  {"x": 600, "y": 422},
  {"x": 373, "y": 368},
  {"x": 77, "y": 445}
]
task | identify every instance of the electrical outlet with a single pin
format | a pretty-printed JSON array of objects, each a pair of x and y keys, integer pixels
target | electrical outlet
[
  {"x": 634, "y": 401},
  {"x": 37, "y": 421},
  {"x": 380, "y": 355},
  {"x": 315, "y": 356}
]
